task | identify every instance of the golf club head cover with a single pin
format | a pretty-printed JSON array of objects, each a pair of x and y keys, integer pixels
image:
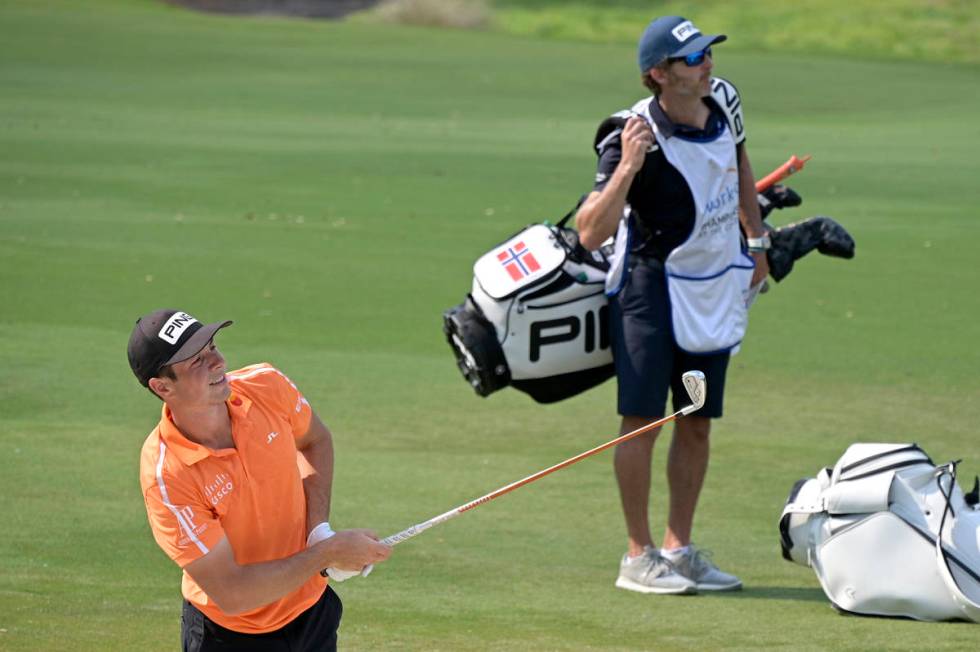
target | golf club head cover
[
  {"x": 777, "y": 196},
  {"x": 793, "y": 241},
  {"x": 973, "y": 497}
]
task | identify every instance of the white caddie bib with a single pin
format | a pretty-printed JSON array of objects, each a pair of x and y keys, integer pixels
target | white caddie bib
[{"x": 708, "y": 276}]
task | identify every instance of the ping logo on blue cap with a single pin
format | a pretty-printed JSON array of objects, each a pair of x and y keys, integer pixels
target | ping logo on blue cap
[
  {"x": 685, "y": 31},
  {"x": 175, "y": 327}
]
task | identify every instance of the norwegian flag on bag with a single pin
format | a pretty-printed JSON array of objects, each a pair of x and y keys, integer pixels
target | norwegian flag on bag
[
  {"x": 524, "y": 259},
  {"x": 518, "y": 261}
]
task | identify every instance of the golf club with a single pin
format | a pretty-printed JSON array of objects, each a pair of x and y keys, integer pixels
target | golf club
[
  {"x": 696, "y": 387},
  {"x": 694, "y": 384}
]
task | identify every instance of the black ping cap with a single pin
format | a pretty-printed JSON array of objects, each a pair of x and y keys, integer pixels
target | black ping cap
[{"x": 164, "y": 337}]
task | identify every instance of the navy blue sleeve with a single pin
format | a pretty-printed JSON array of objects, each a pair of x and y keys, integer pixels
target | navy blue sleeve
[{"x": 608, "y": 160}]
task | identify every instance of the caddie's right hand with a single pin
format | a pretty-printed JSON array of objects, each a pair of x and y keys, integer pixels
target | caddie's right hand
[{"x": 637, "y": 137}]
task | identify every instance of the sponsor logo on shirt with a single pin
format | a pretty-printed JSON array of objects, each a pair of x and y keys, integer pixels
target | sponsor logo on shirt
[
  {"x": 219, "y": 488},
  {"x": 272, "y": 435},
  {"x": 187, "y": 525}
]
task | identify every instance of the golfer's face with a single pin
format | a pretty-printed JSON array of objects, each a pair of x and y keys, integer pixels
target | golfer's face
[{"x": 201, "y": 379}]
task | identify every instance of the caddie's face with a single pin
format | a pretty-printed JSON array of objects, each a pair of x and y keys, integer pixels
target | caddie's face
[
  {"x": 682, "y": 79},
  {"x": 200, "y": 380}
]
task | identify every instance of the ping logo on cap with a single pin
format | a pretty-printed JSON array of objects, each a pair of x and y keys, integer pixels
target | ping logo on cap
[
  {"x": 684, "y": 31},
  {"x": 175, "y": 327}
]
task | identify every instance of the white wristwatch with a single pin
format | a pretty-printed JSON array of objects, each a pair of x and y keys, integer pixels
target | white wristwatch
[{"x": 759, "y": 245}]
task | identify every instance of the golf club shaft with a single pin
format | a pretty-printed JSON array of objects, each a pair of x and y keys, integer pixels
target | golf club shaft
[{"x": 406, "y": 534}]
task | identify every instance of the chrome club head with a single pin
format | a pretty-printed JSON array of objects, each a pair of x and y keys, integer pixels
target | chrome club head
[{"x": 697, "y": 388}]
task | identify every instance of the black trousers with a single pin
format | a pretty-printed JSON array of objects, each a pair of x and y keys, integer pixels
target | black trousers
[{"x": 314, "y": 630}]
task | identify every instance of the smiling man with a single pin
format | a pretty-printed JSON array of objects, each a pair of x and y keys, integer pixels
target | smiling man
[
  {"x": 674, "y": 186},
  {"x": 236, "y": 478}
]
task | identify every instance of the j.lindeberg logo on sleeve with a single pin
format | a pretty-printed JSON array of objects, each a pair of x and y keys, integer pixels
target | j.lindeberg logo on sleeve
[
  {"x": 684, "y": 31},
  {"x": 175, "y": 327}
]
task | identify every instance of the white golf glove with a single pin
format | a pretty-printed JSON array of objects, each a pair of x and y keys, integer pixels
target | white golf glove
[{"x": 322, "y": 532}]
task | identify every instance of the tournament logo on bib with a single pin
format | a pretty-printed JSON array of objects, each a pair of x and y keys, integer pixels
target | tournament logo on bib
[{"x": 518, "y": 261}]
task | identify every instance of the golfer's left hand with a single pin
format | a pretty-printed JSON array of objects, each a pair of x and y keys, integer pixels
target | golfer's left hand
[
  {"x": 761, "y": 267},
  {"x": 338, "y": 575},
  {"x": 324, "y": 531}
]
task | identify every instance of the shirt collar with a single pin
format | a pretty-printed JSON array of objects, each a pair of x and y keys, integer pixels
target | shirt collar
[
  {"x": 665, "y": 127},
  {"x": 668, "y": 129},
  {"x": 190, "y": 452}
]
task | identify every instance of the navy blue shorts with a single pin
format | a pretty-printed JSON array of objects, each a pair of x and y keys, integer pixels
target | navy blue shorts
[
  {"x": 314, "y": 630},
  {"x": 648, "y": 361}
]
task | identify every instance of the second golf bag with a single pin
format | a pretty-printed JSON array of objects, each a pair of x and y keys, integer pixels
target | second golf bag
[
  {"x": 535, "y": 318},
  {"x": 888, "y": 533}
]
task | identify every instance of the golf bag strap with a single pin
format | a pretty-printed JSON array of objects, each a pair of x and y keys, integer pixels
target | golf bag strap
[
  {"x": 563, "y": 221},
  {"x": 970, "y": 608}
]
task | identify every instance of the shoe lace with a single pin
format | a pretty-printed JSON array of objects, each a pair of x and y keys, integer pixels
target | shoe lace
[
  {"x": 655, "y": 564},
  {"x": 701, "y": 560}
]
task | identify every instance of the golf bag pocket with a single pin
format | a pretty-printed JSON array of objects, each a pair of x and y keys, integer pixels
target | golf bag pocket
[
  {"x": 527, "y": 259},
  {"x": 888, "y": 533},
  {"x": 892, "y": 580},
  {"x": 535, "y": 317}
]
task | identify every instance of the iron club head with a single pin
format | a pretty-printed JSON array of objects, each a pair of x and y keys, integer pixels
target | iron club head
[{"x": 697, "y": 389}]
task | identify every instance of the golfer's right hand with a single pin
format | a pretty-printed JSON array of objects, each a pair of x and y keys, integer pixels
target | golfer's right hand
[
  {"x": 637, "y": 137},
  {"x": 352, "y": 550}
]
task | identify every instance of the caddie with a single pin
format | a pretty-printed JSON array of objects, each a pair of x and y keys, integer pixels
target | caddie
[
  {"x": 232, "y": 503},
  {"x": 679, "y": 281}
]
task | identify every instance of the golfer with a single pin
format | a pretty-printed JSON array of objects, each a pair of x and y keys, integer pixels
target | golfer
[
  {"x": 674, "y": 184},
  {"x": 230, "y": 500}
]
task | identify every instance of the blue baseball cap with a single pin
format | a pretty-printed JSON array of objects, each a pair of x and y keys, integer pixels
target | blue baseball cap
[{"x": 672, "y": 36}]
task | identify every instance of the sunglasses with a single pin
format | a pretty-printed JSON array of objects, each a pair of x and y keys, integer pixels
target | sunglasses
[{"x": 693, "y": 59}]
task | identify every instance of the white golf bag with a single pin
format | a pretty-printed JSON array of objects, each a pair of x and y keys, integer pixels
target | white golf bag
[
  {"x": 535, "y": 317},
  {"x": 889, "y": 534}
]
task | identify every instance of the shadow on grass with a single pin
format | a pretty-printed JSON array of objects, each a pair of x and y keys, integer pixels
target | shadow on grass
[{"x": 773, "y": 593}]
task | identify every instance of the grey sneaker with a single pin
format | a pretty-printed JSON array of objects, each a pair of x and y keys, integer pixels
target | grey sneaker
[
  {"x": 697, "y": 566},
  {"x": 652, "y": 573}
]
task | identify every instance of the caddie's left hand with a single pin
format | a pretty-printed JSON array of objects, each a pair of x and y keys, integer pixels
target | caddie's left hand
[{"x": 761, "y": 267}]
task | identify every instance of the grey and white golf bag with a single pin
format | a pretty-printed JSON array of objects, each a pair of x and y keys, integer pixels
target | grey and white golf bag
[
  {"x": 888, "y": 533},
  {"x": 535, "y": 317}
]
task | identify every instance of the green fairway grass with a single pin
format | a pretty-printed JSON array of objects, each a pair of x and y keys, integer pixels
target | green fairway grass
[
  {"x": 328, "y": 187},
  {"x": 943, "y": 31}
]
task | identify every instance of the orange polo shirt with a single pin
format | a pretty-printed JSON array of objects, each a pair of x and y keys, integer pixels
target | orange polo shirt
[{"x": 253, "y": 493}]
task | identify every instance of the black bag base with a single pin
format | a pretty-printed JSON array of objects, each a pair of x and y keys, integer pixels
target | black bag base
[
  {"x": 473, "y": 340},
  {"x": 558, "y": 388}
]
